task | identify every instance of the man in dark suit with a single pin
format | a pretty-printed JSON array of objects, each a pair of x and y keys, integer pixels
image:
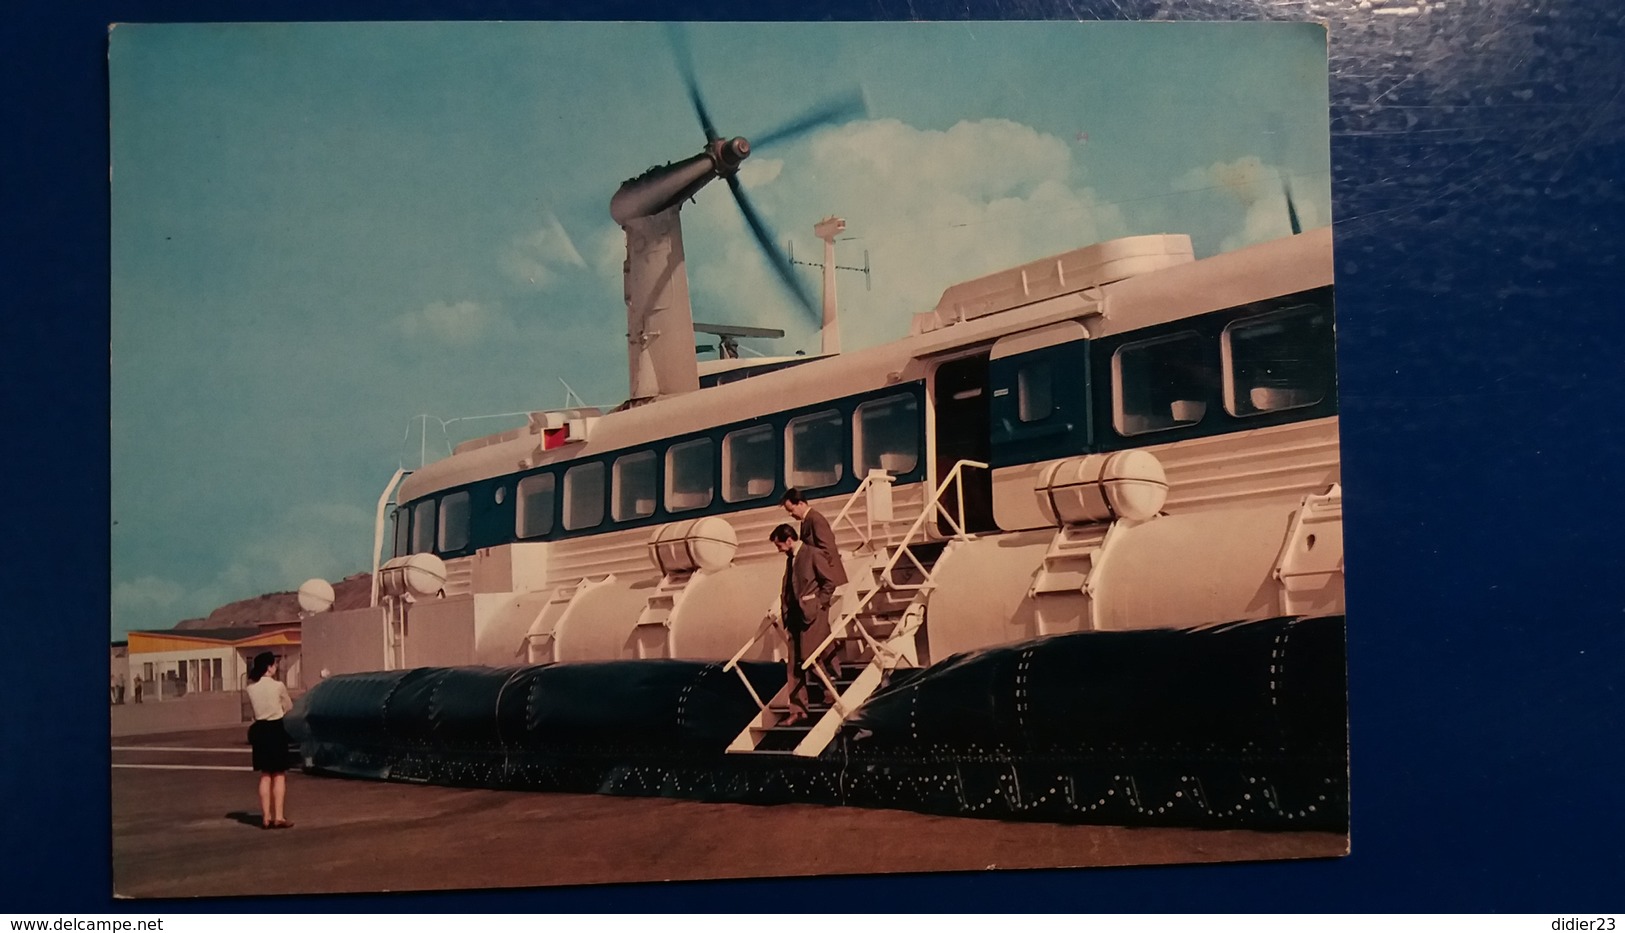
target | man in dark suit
[
  {"x": 817, "y": 534},
  {"x": 815, "y": 531},
  {"x": 804, "y": 601}
]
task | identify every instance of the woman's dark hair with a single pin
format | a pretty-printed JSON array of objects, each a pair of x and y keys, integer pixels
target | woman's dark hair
[{"x": 262, "y": 663}]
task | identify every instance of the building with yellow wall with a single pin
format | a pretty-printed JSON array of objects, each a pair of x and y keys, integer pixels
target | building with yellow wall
[{"x": 168, "y": 663}]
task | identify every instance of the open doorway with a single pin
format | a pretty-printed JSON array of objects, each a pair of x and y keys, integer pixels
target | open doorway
[{"x": 961, "y": 398}]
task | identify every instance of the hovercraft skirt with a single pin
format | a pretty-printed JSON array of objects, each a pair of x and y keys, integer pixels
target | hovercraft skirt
[{"x": 1242, "y": 725}]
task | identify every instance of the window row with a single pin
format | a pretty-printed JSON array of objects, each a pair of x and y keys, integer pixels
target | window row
[
  {"x": 1266, "y": 363},
  {"x": 885, "y": 434}
]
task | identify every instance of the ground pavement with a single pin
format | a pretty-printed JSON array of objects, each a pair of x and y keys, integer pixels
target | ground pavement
[{"x": 186, "y": 823}]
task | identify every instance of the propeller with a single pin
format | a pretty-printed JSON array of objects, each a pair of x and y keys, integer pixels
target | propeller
[
  {"x": 780, "y": 263},
  {"x": 1291, "y": 208},
  {"x": 834, "y": 110},
  {"x": 685, "y": 66}
]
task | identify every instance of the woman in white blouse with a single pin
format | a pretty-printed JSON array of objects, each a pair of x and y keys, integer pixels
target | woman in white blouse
[{"x": 269, "y": 738}]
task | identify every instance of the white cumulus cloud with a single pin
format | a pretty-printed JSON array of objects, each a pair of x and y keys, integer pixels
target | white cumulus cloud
[
  {"x": 931, "y": 207},
  {"x": 1260, "y": 189}
]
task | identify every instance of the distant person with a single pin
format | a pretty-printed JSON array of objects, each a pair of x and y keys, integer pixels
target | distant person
[
  {"x": 269, "y": 738},
  {"x": 804, "y": 610}
]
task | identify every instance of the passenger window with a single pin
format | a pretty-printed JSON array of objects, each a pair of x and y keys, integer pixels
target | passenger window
[
  {"x": 454, "y": 521},
  {"x": 534, "y": 515},
  {"x": 423, "y": 527},
  {"x": 1162, "y": 383},
  {"x": 887, "y": 435},
  {"x": 1035, "y": 397},
  {"x": 1278, "y": 361},
  {"x": 689, "y": 481},
  {"x": 813, "y": 453},
  {"x": 634, "y": 486},
  {"x": 584, "y": 496},
  {"x": 747, "y": 463}
]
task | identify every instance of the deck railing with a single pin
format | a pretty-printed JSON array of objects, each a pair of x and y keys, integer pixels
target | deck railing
[{"x": 933, "y": 510}]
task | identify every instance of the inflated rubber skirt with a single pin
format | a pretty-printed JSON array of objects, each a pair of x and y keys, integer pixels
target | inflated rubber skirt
[{"x": 1235, "y": 725}]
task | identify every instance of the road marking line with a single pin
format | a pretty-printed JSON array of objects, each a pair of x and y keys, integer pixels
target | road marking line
[
  {"x": 188, "y": 767},
  {"x": 175, "y": 748}
]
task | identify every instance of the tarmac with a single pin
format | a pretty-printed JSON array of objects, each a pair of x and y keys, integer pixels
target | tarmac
[{"x": 185, "y": 823}]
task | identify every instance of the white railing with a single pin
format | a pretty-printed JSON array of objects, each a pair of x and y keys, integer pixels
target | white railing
[
  {"x": 932, "y": 510},
  {"x": 769, "y": 621},
  {"x": 378, "y": 529},
  {"x": 866, "y": 532},
  {"x": 866, "y": 542}
]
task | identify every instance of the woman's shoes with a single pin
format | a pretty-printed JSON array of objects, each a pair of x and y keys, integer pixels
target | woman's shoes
[{"x": 276, "y": 824}]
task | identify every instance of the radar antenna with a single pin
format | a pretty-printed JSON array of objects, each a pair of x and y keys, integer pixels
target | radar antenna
[{"x": 728, "y": 336}]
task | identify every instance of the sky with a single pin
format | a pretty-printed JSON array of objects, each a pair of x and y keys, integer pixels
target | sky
[{"x": 323, "y": 233}]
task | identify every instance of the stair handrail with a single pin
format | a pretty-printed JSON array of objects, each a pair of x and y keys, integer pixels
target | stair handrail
[
  {"x": 865, "y": 536},
  {"x": 955, "y": 476},
  {"x": 769, "y": 620},
  {"x": 866, "y": 539}
]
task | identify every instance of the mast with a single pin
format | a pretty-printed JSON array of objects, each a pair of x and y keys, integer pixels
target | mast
[
  {"x": 659, "y": 319},
  {"x": 826, "y": 230}
]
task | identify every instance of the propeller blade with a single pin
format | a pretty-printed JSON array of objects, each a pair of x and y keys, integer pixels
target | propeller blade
[
  {"x": 685, "y": 67},
  {"x": 1291, "y": 209},
  {"x": 780, "y": 264},
  {"x": 837, "y": 110}
]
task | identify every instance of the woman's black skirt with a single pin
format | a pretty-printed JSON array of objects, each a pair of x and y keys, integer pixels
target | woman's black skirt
[{"x": 269, "y": 739}]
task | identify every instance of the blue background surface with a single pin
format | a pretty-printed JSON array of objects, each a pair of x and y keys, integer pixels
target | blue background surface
[{"x": 1477, "y": 154}]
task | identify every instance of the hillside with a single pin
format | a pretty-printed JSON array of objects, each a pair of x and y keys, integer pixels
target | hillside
[{"x": 353, "y": 592}]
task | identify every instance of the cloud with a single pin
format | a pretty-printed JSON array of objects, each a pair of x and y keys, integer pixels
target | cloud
[
  {"x": 533, "y": 258},
  {"x": 1243, "y": 179},
  {"x": 760, "y": 171},
  {"x": 1259, "y": 189},
  {"x": 464, "y": 322},
  {"x": 931, "y": 207}
]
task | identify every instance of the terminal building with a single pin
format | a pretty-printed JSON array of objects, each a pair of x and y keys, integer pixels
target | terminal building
[{"x": 168, "y": 663}]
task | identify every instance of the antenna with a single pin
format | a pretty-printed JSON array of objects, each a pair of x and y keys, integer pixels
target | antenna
[
  {"x": 570, "y": 393},
  {"x": 728, "y": 336},
  {"x": 827, "y": 230},
  {"x": 791, "y": 248}
]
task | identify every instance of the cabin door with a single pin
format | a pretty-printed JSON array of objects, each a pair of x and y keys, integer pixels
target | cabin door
[{"x": 960, "y": 396}]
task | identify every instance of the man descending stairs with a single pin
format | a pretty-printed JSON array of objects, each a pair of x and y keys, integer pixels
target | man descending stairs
[{"x": 879, "y": 633}]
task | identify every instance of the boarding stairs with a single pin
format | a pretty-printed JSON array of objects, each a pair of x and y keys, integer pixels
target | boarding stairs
[{"x": 878, "y": 629}]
